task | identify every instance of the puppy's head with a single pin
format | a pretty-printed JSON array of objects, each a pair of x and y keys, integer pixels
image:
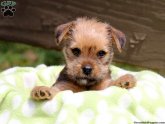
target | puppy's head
[{"x": 87, "y": 46}]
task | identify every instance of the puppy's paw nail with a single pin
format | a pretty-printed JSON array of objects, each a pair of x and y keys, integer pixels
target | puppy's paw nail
[
  {"x": 48, "y": 93},
  {"x": 42, "y": 93},
  {"x": 126, "y": 83},
  {"x": 36, "y": 94}
]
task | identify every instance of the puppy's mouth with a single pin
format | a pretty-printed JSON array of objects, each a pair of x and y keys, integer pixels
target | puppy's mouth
[
  {"x": 86, "y": 81},
  {"x": 86, "y": 78}
]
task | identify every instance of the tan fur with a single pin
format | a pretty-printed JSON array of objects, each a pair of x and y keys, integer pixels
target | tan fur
[{"x": 90, "y": 37}]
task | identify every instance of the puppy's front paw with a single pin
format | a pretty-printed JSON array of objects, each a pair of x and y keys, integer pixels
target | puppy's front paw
[
  {"x": 41, "y": 93},
  {"x": 126, "y": 81}
]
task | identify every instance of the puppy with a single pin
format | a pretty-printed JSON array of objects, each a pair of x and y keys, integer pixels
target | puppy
[{"x": 88, "y": 49}]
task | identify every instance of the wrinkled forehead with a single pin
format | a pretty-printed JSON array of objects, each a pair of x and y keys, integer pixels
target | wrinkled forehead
[
  {"x": 92, "y": 35},
  {"x": 88, "y": 42}
]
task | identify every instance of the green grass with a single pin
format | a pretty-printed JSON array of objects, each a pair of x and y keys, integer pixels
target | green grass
[{"x": 13, "y": 54}]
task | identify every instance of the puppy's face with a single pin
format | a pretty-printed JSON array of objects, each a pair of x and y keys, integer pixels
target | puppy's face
[{"x": 87, "y": 46}]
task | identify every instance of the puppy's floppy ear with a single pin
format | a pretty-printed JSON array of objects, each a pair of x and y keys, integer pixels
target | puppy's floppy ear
[
  {"x": 118, "y": 38},
  {"x": 62, "y": 32}
]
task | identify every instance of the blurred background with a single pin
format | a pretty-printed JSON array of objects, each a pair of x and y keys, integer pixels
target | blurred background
[
  {"x": 14, "y": 54},
  {"x": 27, "y": 33}
]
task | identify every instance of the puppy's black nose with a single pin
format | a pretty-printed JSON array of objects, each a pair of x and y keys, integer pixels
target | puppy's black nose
[{"x": 87, "y": 69}]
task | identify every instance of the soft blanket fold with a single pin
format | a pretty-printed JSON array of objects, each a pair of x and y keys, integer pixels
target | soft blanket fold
[{"x": 145, "y": 102}]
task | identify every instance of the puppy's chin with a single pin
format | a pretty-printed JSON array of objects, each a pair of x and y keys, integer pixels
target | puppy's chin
[{"x": 86, "y": 81}]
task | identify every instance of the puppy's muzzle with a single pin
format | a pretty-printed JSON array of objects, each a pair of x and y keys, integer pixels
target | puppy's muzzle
[{"x": 87, "y": 69}]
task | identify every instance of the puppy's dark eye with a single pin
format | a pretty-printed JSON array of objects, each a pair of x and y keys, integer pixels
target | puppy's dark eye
[
  {"x": 76, "y": 51},
  {"x": 101, "y": 53}
]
